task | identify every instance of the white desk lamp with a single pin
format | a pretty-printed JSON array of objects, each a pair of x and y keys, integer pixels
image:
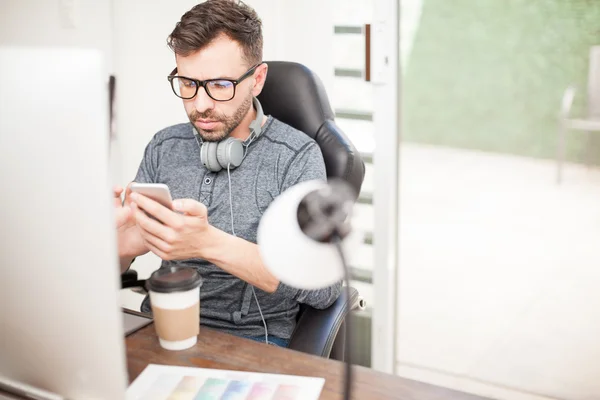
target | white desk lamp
[{"x": 303, "y": 238}]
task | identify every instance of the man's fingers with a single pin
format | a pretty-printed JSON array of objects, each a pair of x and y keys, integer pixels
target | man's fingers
[
  {"x": 156, "y": 242},
  {"x": 156, "y": 250},
  {"x": 150, "y": 225},
  {"x": 117, "y": 191},
  {"x": 152, "y": 242},
  {"x": 190, "y": 207},
  {"x": 157, "y": 210},
  {"x": 128, "y": 194}
]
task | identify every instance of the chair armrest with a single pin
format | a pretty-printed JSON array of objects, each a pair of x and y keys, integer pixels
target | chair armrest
[
  {"x": 129, "y": 279},
  {"x": 317, "y": 330}
]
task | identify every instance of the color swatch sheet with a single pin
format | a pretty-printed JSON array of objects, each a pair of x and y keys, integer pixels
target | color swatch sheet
[{"x": 162, "y": 382}]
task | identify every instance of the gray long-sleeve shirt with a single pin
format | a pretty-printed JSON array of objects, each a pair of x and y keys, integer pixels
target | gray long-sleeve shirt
[{"x": 280, "y": 158}]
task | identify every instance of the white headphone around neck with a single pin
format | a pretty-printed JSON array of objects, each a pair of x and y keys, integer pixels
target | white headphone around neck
[{"x": 230, "y": 152}]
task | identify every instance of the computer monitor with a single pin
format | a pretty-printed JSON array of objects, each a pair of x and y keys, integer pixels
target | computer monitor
[{"x": 61, "y": 329}]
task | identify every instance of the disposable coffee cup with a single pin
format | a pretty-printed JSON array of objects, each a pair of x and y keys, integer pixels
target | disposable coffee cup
[{"x": 175, "y": 299}]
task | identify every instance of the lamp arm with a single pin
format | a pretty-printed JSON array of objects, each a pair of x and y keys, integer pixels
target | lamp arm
[{"x": 348, "y": 339}]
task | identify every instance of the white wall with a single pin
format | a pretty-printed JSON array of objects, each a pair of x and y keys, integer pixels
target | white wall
[
  {"x": 87, "y": 23},
  {"x": 61, "y": 23}
]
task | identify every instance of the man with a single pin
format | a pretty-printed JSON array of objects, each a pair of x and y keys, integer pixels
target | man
[{"x": 218, "y": 53}]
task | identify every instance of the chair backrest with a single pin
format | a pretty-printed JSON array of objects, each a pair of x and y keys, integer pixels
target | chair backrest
[
  {"x": 295, "y": 95},
  {"x": 594, "y": 83}
]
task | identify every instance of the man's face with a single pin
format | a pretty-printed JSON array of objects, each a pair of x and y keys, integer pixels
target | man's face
[{"x": 222, "y": 58}]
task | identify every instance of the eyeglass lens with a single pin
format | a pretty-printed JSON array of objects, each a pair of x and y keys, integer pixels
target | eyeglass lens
[{"x": 218, "y": 89}]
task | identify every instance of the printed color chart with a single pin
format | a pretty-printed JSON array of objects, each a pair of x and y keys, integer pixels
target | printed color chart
[{"x": 161, "y": 382}]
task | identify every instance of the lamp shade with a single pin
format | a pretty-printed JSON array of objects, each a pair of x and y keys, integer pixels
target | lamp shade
[{"x": 291, "y": 255}]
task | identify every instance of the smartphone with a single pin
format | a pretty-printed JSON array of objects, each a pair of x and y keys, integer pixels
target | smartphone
[{"x": 158, "y": 192}]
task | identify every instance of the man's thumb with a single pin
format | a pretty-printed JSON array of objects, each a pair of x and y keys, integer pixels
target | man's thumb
[{"x": 190, "y": 207}]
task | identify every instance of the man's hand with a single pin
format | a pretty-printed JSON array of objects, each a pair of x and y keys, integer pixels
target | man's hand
[
  {"x": 185, "y": 233},
  {"x": 122, "y": 214},
  {"x": 130, "y": 239},
  {"x": 172, "y": 236}
]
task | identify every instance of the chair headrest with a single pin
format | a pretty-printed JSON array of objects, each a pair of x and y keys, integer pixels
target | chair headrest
[{"x": 296, "y": 96}]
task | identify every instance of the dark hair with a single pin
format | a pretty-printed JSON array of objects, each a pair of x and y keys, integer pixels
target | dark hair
[{"x": 208, "y": 20}]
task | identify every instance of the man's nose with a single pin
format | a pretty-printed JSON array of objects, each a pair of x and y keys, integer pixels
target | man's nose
[{"x": 202, "y": 101}]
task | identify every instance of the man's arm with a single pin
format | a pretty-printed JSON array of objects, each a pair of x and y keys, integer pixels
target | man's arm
[
  {"x": 242, "y": 258},
  {"x": 319, "y": 299},
  {"x": 125, "y": 263},
  {"x": 309, "y": 165},
  {"x": 185, "y": 235}
]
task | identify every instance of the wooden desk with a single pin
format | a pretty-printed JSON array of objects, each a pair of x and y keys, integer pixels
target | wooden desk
[{"x": 221, "y": 351}]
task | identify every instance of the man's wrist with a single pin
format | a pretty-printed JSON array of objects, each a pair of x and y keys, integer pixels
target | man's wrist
[
  {"x": 215, "y": 240},
  {"x": 127, "y": 255},
  {"x": 239, "y": 257},
  {"x": 125, "y": 262}
]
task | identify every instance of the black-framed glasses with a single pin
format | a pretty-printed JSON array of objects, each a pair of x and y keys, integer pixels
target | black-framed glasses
[{"x": 218, "y": 89}]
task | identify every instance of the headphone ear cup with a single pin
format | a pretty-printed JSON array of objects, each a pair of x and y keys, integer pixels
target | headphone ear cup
[
  {"x": 203, "y": 154},
  {"x": 208, "y": 156},
  {"x": 230, "y": 152}
]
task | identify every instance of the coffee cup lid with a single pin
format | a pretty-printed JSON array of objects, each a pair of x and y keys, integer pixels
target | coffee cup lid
[{"x": 174, "y": 279}]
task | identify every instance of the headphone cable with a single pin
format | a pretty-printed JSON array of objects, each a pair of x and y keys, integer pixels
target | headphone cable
[
  {"x": 233, "y": 232},
  {"x": 233, "y": 228}
]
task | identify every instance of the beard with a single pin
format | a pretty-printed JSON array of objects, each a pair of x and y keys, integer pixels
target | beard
[{"x": 228, "y": 123}]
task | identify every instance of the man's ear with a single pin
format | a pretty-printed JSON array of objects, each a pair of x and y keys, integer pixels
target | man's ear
[{"x": 260, "y": 76}]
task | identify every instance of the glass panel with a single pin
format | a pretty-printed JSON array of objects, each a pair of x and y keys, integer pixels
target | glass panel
[
  {"x": 353, "y": 93},
  {"x": 349, "y": 50},
  {"x": 499, "y": 264}
]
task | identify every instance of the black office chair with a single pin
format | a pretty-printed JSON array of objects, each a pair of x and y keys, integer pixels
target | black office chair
[{"x": 295, "y": 95}]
